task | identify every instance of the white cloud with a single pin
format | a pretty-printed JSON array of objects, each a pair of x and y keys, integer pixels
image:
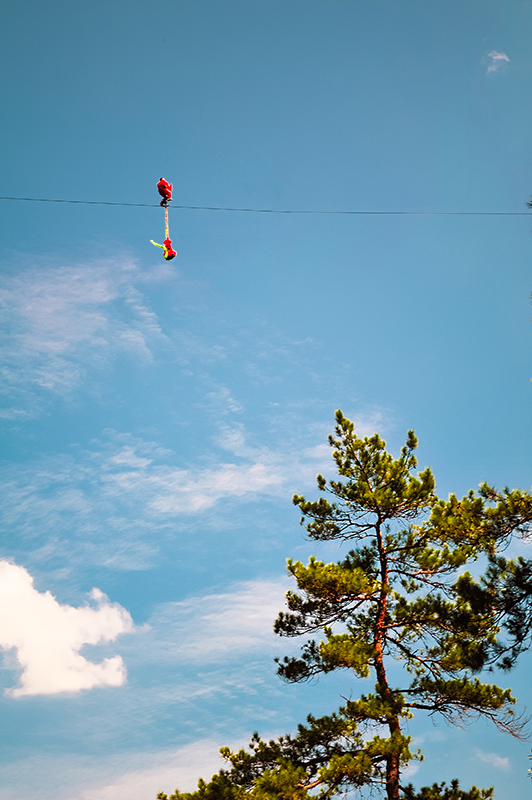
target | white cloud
[
  {"x": 492, "y": 758},
  {"x": 497, "y": 60},
  {"x": 48, "y": 636},
  {"x": 213, "y": 651}
]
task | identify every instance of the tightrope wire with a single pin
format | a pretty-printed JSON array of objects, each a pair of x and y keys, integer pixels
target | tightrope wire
[{"x": 283, "y": 210}]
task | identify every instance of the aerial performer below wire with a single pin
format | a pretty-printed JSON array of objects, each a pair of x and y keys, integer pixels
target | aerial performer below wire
[{"x": 165, "y": 190}]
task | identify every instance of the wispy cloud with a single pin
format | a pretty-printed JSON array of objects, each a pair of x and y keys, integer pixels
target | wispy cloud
[
  {"x": 114, "y": 499},
  {"x": 160, "y": 772},
  {"x": 48, "y": 636},
  {"x": 496, "y": 61},
  {"x": 221, "y": 398},
  {"x": 61, "y": 322},
  {"x": 213, "y": 628},
  {"x": 494, "y": 759},
  {"x": 171, "y": 491},
  {"x": 138, "y": 775}
]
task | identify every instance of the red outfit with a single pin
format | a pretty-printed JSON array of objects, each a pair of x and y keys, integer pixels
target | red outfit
[
  {"x": 165, "y": 190},
  {"x": 169, "y": 253}
]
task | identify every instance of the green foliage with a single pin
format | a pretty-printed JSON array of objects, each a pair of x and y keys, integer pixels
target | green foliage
[
  {"x": 443, "y": 792},
  {"x": 218, "y": 788},
  {"x": 401, "y": 593}
]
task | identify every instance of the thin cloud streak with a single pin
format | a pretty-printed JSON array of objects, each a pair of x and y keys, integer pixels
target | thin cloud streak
[
  {"x": 497, "y": 60},
  {"x": 493, "y": 759}
]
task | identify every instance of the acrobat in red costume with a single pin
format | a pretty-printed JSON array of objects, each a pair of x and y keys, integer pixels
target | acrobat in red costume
[
  {"x": 165, "y": 190},
  {"x": 169, "y": 252}
]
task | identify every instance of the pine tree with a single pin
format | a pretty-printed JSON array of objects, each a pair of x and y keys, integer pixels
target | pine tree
[{"x": 402, "y": 593}]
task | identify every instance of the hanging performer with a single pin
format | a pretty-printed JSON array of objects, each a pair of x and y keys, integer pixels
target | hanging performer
[
  {"x": 169, "y": 252},
  {"x": 165, "y": 190}
]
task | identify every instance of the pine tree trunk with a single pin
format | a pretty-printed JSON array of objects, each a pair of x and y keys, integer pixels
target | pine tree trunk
[
  {"x": 392, "y": 778},
  {"x": 394, "y": 726},
  {"x": 392, "y": 761}
]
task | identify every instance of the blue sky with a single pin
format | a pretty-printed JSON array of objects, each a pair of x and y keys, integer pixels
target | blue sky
[{"x": 157, "y": 417}]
